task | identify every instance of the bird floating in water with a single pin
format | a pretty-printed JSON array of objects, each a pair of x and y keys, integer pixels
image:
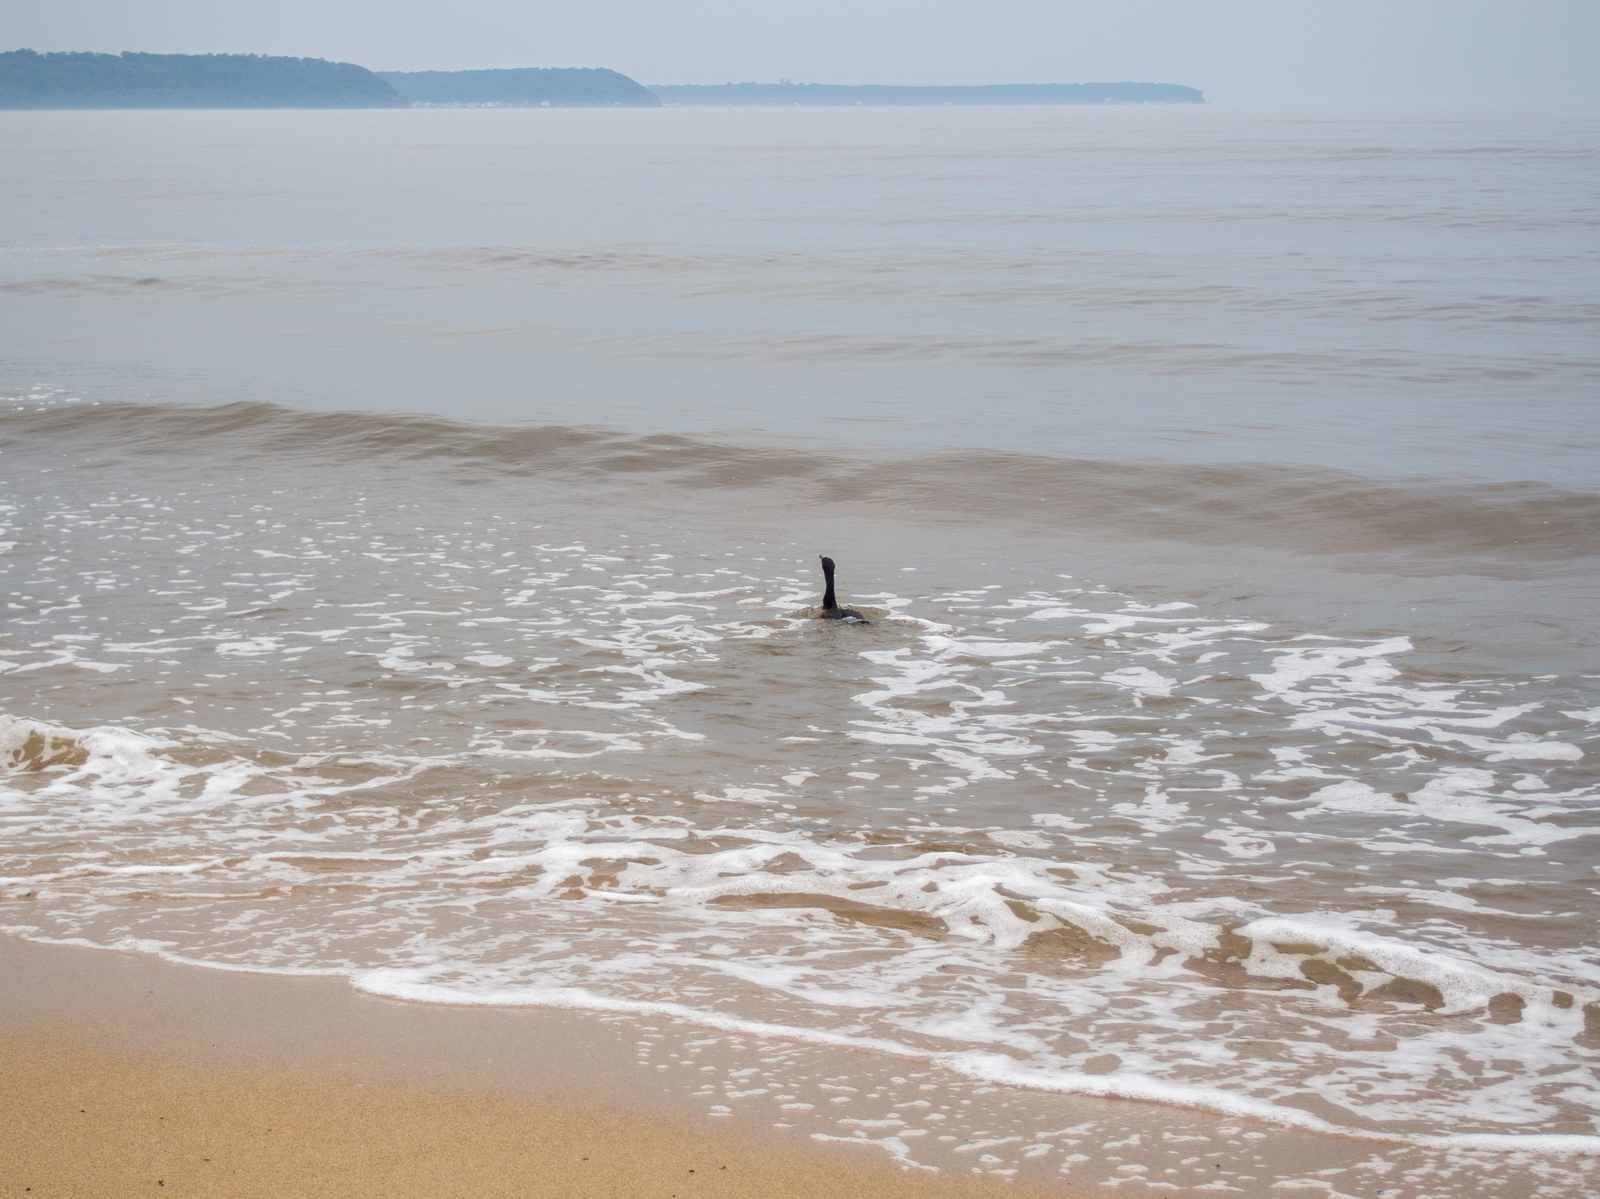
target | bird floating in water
[{"x": 830, "y": 606}]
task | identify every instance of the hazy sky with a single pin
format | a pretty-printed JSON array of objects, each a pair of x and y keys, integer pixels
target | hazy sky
[{"x": 1241, "y": 51}]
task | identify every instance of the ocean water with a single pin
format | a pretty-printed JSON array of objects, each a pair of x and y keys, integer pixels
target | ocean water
[{"x": 411, "y": 524}]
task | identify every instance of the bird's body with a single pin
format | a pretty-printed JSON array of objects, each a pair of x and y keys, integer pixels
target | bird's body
[{"x": 830, "y": 604}]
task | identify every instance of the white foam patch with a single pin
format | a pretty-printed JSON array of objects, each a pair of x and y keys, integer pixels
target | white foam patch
[{"x": 1458, "y": 795}]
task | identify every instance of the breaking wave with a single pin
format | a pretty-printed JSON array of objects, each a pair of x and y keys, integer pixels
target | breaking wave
[{"x": 1306, "y": 510}]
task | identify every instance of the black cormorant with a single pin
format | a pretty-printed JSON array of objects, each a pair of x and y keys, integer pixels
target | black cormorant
[{"x": 830, "y": 606}]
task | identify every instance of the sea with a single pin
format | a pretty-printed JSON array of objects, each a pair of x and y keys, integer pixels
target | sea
[{"x": 411, "y": 524}]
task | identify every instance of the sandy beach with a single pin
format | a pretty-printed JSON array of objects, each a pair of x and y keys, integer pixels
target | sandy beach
[
  {"x": 125, "y": 1074},
  {"x": 89, "y": 1120}
]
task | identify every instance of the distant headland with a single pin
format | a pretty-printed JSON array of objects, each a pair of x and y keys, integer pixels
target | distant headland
[
  {"x": 544, "y": 87},
  {"x": 834, "y": 95},
  {"x": 68, "y": 79},
  {"x": 74, "y": 80}
]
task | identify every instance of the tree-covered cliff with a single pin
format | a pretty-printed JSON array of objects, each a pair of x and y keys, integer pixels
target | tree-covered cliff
[
  {"x": 128, "y": 80},
  {"x": 555, "y": 87}
]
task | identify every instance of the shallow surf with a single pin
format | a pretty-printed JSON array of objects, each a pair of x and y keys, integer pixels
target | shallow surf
[{"x": 1224, "y": 752}]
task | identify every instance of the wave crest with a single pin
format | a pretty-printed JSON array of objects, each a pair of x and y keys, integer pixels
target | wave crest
[{"x": 1272, "y": 506}]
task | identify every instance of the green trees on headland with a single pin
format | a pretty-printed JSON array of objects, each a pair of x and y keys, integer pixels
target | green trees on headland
[
  {"x": 74, "y": 80},
  {"x": 553, "y": 87}
]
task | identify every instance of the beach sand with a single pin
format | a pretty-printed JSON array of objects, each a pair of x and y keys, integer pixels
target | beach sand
[
  {"x": 91, "y": 1121},
  {"x": 127, "y": 1075},
  {"x": 122, "y": 1074}
]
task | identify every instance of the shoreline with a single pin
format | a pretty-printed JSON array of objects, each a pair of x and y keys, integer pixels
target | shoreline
[
  {"x": 126, "y": 1071},
  {"x": 388, "y": 1097},
  {"x": 83, "y": 1118}
]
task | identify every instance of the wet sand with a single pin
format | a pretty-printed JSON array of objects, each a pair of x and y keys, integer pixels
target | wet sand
[{"x": 124, "y": 1074}]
